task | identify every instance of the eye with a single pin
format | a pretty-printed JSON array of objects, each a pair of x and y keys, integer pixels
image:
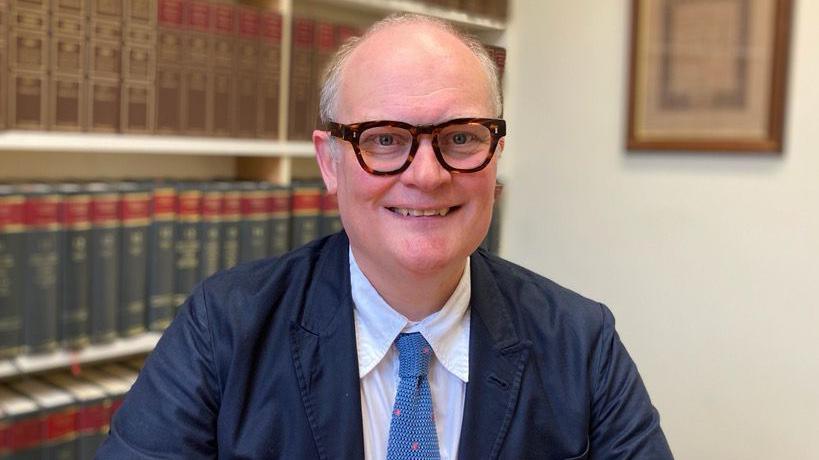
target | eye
[
  {"x": 385, "y": 140},
  {"x": 460, "y": 138}
]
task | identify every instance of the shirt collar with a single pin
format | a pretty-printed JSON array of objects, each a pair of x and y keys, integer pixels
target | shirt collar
[{"x": 377, "y": 325}]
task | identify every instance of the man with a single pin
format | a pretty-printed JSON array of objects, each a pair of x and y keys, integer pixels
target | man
[{"x": 395, "y": 339}]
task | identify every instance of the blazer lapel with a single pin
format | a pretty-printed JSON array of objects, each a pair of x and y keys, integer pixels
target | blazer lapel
[
  {"x": 324, "y": 356},
  {"x": 496, "y": 362}
]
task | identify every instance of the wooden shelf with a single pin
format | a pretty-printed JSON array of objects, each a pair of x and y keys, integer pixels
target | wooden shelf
[
  {"x": 468, "y": 21},
  {"x": 38, "y": 141},
  {"x": 62, "y": 359}
]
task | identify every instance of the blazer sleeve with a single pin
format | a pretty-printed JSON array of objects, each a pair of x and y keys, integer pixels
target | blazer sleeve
[
  {"x": 171, "y": 410},
  {"x": 624, "y": 422}
]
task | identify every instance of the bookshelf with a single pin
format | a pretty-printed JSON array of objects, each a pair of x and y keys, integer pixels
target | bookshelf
[{"x": 57, "y": 155}]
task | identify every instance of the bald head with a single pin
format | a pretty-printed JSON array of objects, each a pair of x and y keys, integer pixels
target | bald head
[{"x": 408, "y": 48}]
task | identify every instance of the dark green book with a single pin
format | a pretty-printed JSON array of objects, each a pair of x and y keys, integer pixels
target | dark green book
[
  {"x": 92, "y": 412},
  {"x": 330, "y": 219},
  {"x": 253, "y": 227},
  {"x": 75, "y": 220},
  {"x": 57, "y": 414},
  {"x": 21, "y": 426},
  {"x": 104, "y": 253},
  {"x": 187, "y": 244},
  {"x": 305, "y": 212},
  {"x": 231, "y": 223},
  {"x": 278, "y": 209},
  {"x": 135, "y": 208},
  {"x": 41, "y": 267},
  {"x": 161, "y": 256},
  {"x": 210, "y": 231},
  {"x": 11, "y": 277}
]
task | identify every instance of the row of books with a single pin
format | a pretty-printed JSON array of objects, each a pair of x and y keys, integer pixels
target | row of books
[
  {"x": 85, "y": 263},
  {"x": 496, "y": 9},
  {"x": 61, "y": 415},
  {"x": 176, "y": 67}
]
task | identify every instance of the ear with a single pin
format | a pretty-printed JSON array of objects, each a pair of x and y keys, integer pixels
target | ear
[
  {"x": 499, "y": 148},
  {"x": 326, "y": 161}
]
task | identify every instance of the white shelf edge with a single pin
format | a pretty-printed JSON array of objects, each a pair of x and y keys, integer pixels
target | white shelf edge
[
  {"x": 39, "y": 141},
  {"x": 60, "y": 359},
  {"x": 410, "y": 6}
]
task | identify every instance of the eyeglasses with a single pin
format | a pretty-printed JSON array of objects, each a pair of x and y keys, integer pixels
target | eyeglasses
[{"x": 384, "y": 148}]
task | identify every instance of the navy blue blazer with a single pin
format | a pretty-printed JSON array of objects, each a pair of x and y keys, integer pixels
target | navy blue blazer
[{"x": 260, "y": 362}]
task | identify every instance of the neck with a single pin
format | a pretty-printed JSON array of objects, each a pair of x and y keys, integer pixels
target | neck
[{"x": 414, "y": 295}]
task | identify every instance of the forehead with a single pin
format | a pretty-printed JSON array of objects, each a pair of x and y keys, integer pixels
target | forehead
[{"x": 416, "y": 73}]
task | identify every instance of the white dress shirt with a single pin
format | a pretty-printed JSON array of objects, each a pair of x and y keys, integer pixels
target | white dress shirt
[{"x": 447, "y": 331}]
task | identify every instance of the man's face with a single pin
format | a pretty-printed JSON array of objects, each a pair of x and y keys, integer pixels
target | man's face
[{"x": 420, "y": 76}]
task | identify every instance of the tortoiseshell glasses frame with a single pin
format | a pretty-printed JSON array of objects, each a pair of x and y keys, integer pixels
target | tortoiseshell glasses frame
[{"x": 352, "y": 133}]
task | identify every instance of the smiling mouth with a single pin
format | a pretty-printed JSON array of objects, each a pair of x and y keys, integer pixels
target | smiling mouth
[{"x": 410, "y": 212}]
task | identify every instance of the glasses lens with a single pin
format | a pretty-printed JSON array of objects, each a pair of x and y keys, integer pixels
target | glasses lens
[
  {"x": 385, "y": 148},
  {"x": 465, "y": 146}
]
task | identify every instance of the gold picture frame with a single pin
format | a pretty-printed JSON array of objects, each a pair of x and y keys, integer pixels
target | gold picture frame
[{"x": 708, "y": 75}]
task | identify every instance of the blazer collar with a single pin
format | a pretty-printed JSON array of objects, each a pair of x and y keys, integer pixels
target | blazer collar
[
  {"x": 324, "y": 354},
  {"x": 496, "y": 364}
]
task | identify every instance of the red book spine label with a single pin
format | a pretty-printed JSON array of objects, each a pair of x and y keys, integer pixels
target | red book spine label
[
  {"x": 199, "y": 16},
  {"x": 303, "y": 32},
  {"x": 42, "y": 211},
  {"x": 224, "y": 19},
  {"x": 278, "y": 204},
  {"x": 60, "y": 424},
  {"x": 212, "y": 206},
  {"x": 325, "y": 37},
  {"x": 135, "y": 208},
  {"x": 170, "y": 12},
  {"x": 189, "y": 206},
  {"x": 12, "y": 214},
  {"x": 346, "y": 32},
  {"x": 115, "y": 405},
  {"x": 248, "y": 22},
  {"x": 105, "y": 210},
  {"x": 92, "y": 418},
  {"x": 24, "y": 434},
  {"x": 76, "y": 212},
  {"x": 231, "y": 205},
  {"x": 164, "y": 204},
  {"x": 254, "y": 204},
  {"x": 271, "y": 26},
  {"x": 306, "y": 202}
]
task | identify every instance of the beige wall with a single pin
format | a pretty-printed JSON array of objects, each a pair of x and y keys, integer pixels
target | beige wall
[{"x": 709, "y": 262}]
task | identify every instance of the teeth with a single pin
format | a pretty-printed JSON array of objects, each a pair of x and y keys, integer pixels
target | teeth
[{"x": 421, "y": 212}]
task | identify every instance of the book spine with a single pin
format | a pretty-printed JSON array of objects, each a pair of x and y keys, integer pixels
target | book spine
[
  {"x": 279, "y": 211},
  {"x": 169, "y": 68},
  {"x": 135, "y": 219},
  {"x": 4, "y": 15},
  {"x": 221, "y": 68},
  {"x": 105, "y": 66},
  {"x": 161, "y": 258},
  {"x": 28, "y": 66},
  {"x": 300, "y": 118},
  {"x": 270, "y": 52},
  {"x": 247, "y": 70},
  {"x": 91, "y": 428},
  {"x": 231, "y": 225},
  {"x": 24, "y": 435},
  {"x": 330, "y": 219},
  {"x": 211, "y": 230},
  {"x": 197, "y": 77},
  {"x": 253, "y": 230},
  {"x": 104, "y": 262},
  {"x": 305, "y": 211},
  {"x": 59, "y": 432},
  {"x": 68, "y": 85},
  {"x": 76, "y": 222},
  {"x": 41, "y": 268},
  {"x": 139, "y": 67},
  {"x": 325, "y": 46},
  {"x": 12, "y": 226},
  {"x": 187, "y": 244}
]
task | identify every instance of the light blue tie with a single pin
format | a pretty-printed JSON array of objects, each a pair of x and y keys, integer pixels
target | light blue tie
[{"x": 412, "y": 429}]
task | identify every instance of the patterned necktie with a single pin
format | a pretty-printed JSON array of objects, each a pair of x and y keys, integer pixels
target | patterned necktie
[{"x": 412, "y": 429}]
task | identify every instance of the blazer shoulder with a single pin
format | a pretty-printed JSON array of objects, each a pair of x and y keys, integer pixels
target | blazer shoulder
[{"x": 540, "y": 302}]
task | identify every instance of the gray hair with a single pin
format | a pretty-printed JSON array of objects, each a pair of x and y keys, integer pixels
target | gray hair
[{"x": 328, "y": 104}]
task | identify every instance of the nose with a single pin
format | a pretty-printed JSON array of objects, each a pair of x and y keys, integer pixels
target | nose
[{"x": 425, "y": 172}]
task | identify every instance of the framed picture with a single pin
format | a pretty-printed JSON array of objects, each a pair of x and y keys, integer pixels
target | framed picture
[{"x": 708, "y": 75}]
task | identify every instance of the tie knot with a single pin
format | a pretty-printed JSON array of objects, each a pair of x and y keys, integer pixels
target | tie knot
[{"x": 414, "y": 354}]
